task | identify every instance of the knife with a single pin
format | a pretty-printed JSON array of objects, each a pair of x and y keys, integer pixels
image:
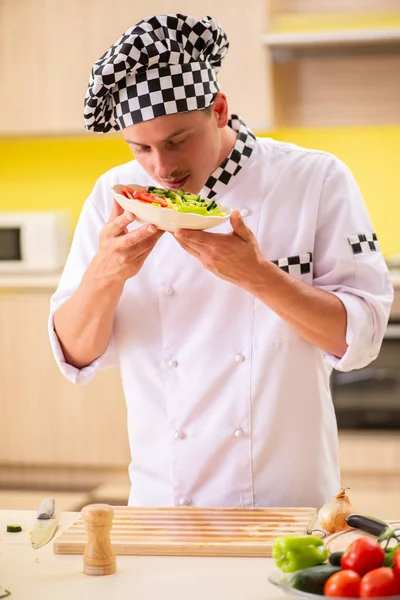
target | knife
[
  {"x": 45, "y": 525},
  {"x": 369, "y": 524}
]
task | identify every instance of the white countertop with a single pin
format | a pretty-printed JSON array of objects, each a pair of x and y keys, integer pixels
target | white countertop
[{"x": 41, "y": 575}]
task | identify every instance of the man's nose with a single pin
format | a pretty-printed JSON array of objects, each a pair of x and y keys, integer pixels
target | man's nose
[{"x": 164, "y": 167}]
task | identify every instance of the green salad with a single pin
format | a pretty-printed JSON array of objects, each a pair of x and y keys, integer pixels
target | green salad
[{"x": 179, "y": 200}]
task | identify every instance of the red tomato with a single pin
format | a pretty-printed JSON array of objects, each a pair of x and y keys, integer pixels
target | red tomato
[
  {"x": 128, "y": 192},
  {"x": 363, "y": 555},
  {"x": 396, "y": 561},
  {"x": 380, "y": 582},
  {"x": 343, "y": 584},
  {"x": 150, "y": 198}
]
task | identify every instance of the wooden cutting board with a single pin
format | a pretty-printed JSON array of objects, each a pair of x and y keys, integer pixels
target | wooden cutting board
[{"x": 191, "y": 531}]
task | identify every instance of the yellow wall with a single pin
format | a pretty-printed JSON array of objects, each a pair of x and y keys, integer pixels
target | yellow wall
[{"x": 60, "y": 172}]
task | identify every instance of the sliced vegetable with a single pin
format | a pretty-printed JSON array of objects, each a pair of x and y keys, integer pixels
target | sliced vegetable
[
  {"x": 179, "y": 200},
  {"x": 14, "y": 528},
  {"x": 292, "y": 553},
  {"x": 128, "y": 192},
  {"x": 363, "y": 555},
  {"x": 345, "y": 584},
  {"x": 312, "y": 580},
  {"x": 380, "y": 582}
]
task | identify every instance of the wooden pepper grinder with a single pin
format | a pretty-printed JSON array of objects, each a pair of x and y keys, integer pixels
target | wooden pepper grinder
[{"x": 99, "y": 555}]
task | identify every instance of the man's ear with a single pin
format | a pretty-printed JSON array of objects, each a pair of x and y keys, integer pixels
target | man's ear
[{"x": 220, "y": 110}]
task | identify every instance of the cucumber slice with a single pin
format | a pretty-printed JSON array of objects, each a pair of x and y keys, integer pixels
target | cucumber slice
[{"x": 14, "y": 528}]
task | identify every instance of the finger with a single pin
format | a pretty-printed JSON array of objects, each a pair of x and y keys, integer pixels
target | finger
[
  {"x": 118, "y": 225},
  {"x": 143, "y": 249},
  {"x": 239, "y": 226},
  {"x": 189, "y": 249},
  {"x": 116, "y": 211},
  {"x": 146, "y": 232},
  {"x": 199, "y": 237}
]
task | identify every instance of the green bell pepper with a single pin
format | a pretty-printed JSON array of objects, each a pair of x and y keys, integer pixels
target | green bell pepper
[
  {"x": 292, "y": 553},
  {"x": 389, "y": 555}
]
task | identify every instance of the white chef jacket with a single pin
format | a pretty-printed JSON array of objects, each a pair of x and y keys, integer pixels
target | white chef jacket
[{"x": 226, "y": 404}]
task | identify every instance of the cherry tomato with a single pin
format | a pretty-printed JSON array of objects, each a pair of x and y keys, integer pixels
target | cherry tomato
[
  {"x": 363, "y": 555},
  {"x": 380, "y": 582},
  {"x": 343, "y": 584},
  {"x": 396, "y": 561}
]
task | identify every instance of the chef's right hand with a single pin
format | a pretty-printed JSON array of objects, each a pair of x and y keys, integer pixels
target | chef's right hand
[{"x": 122, "y": 254}]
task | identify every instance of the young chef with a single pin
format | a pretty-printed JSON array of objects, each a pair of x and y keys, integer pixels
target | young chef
[{"x": 225, "y": 338}]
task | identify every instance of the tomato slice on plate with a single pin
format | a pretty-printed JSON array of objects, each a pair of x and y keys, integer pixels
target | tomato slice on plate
[
  {"x": 128, "y": 192},
  {"x": 150, "y": 198},
  {"x": 143, "y": 196}
]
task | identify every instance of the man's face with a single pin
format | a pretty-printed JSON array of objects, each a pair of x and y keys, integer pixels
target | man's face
[{"x": 178, "y": 151}]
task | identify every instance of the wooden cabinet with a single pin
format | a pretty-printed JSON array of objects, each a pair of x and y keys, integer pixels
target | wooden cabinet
[
  {"x": 47, "y": 48},
  {"x": 45, "y": 420},
  {"x": 334, "y": 62}
]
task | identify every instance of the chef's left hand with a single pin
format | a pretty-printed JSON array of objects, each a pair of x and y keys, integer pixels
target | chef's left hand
[{"x": 233, "y": 256}]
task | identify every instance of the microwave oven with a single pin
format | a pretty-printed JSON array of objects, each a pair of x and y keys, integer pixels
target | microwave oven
[{"x": 33, "y": 242}]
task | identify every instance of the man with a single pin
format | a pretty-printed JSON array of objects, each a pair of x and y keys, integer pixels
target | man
[{"x": 225, "y": 338}]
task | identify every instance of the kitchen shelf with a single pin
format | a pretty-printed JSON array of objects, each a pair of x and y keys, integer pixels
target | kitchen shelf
[{"x": 336, "y": 39}]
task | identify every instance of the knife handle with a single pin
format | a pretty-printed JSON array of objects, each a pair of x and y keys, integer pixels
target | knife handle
[
  {"x": 367, "y": 524},
  {"x": 46, "y": 508}
]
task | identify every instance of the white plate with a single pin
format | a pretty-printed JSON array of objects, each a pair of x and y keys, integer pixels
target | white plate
[
  {"x": 166, "y": 218},
  {"x": 282, "y": 581}
]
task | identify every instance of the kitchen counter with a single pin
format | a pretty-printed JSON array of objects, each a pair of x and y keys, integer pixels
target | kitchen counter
[
  {"x": 29, "y": 281},
  {"x": 41, "y": 575}
]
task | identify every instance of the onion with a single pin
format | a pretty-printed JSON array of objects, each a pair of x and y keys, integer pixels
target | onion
[{"x": 332, "y": 516}]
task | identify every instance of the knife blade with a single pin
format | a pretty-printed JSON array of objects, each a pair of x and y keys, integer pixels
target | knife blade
[
  {"x": 45, "y": 525},
  {"x": 370, "y": 525}
]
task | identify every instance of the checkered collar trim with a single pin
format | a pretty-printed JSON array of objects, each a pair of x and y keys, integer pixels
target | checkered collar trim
[{"x": 236, "y": 159}]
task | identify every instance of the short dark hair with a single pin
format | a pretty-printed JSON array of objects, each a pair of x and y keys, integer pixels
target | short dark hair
[{"x": 207, "y": 111}]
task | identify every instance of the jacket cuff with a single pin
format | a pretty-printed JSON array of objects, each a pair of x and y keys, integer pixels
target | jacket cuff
[
  {"x": 359, "y": 335},
  {"x": 73, "y": 374}
]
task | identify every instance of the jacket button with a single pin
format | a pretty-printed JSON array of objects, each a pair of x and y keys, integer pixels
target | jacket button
[
  {"x": 185, "y": 501},
  {"x": 244, "y": 212},
  {"x": 173, "y": 363},
  {"x": 169, "y": 291},
  {"x": 178, "y": 435},
  {"x": 239, "y": 433},
  {"x": 239, "y": 358}
]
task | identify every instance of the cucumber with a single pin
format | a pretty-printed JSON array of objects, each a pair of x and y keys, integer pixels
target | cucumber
[
  {"x": 194, "y": 198},
  {"x": 312, "y": 580},
  {"x": 157, "y": 191},
  {"x": 174, "y": 196},
  {"x": 335, "y": 557},
  {"x": 14, "y": 528}
]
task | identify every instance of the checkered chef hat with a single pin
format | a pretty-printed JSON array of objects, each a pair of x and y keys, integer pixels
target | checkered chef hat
[{"x": 163, "y": 65}]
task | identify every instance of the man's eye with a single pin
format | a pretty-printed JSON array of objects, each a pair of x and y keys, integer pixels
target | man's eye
[
  {"x": 140, "y": 150},
  {"x": 178, "y": 143}
]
